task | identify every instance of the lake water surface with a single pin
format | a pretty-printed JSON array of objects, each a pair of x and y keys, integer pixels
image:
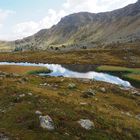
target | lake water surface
[{"x": 75, "y": 71}]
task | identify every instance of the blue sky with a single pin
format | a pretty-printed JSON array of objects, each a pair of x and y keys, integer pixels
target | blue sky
[{"x": 21, "y": 18}]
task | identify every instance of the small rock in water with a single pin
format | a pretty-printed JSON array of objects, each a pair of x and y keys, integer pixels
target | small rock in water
[
  {"x": 46, "y": 122},
  {"x": 86, "y": 124}
]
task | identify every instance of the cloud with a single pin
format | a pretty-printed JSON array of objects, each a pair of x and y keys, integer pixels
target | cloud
[
  {"x": 30, "y": 27},
  {"x": 95, "y": 6},
  {"x": 52, "y": 17}
]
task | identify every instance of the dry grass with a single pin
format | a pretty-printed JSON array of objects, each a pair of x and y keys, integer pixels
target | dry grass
[
  {"x": 105, "y": 109},
  {"x": 19, "y": 69},
  {"x": 114, "y": 57}
]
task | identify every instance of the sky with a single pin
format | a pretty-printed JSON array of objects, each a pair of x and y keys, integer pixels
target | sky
[{"x": 22, "y": 18}]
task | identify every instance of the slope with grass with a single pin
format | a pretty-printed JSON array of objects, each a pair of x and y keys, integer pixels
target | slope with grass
[{"x": 114, "y": 111}]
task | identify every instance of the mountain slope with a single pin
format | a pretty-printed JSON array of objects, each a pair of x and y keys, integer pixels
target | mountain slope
[{"x": 88, "y": 29}]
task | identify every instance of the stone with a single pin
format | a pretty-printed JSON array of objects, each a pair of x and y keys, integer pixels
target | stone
[
  {"x": 45, "y": 84},
  {"x": 3, "y": 137},
  {"x": 30, "y": 94},
  {"x": 138, "y": 117},
  {"x": 25, "y": 79},
  {"x": 22, "y": 95},
  {"x": 46, "y": 122},
  {"x": 126, "y": 113},
  {"x": 86, "y": 124},
  {"x": 89, "y": 93},
  {"x": 82, "y": 103},
  {"x": 38, "y": 112},
  {"x": 135, "y": 92},
  {"x": 15, "y": 75},
  {"x": 72, "y": 86},
  {"x": 103, "y": 90}
]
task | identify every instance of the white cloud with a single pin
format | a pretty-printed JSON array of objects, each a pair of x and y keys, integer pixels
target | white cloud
[
  {"x": 30, "y": 27},
  {"x": 95, "y": 5},
  {"x": 27, "y": 28}
]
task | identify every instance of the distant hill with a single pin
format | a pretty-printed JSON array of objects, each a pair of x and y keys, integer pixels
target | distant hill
[{"x": 88, "y": 30}]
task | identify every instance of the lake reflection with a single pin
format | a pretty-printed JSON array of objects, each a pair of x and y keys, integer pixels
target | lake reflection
[{"x": 75, "y": 71}]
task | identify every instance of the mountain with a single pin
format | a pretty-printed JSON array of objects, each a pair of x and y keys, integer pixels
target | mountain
[{"x": 87, "y": 30}]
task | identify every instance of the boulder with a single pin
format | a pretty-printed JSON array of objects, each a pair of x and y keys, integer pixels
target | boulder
[
  {"x": 46, "y": 122},
  {"x": 103, "y": 89},
  {"x": 3, "y": 137},
  {"x": 89, "y": 93},
  {"x": 72, "y": 86},
  {"x": 86, "y": 124},
  {"x": 38, "y": 112},
  {"x": 138, "y": 117}
]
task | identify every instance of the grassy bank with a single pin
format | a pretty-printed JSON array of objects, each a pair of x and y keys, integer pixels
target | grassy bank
[
  {"x": 43, "y": 70},
  {"x": 114, "y": 57},
  {"x": 23, "y": 69},
  {"x": 131, "y": 74}
]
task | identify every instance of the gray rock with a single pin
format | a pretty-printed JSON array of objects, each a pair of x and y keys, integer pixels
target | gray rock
[
  {"x": 103, "y": 90},
  {"x": 83, "y": 103},
  {"x": 25, "y": 79},
  {"x": 30, "y": 94},
  {"x": 89, "y": 93},
  {"x": 45, "y": 84},
  {"x": 135, "y": 92},
  {"x": 138, "y": 117},
  {"x": 15, "y": 75},
  {"x": 46, "y": 122},
  {"x": 38, "y": 112},
  {"x": 127, "y": 114},
  {"x": 22, "y": 95},
  {"x": 3, "y": 137},
  {"x": 72, "y": 86},
  {"x": 86, "y": 124}
]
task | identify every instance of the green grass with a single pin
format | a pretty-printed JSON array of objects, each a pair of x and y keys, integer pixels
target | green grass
[
  {"x": 130, "y": 74},
  {"x": 33, "y": 72},
  {"x": 63, "y": 105},
  {"x": 118, "y": 69}
]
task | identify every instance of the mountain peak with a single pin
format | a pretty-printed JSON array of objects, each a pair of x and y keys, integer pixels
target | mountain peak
[{"x": 88, "y": 29}]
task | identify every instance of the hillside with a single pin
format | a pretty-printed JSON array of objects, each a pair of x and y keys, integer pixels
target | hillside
[
  {"x": 88, "y": 30},
  {"x": 6, "y": 46}
]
